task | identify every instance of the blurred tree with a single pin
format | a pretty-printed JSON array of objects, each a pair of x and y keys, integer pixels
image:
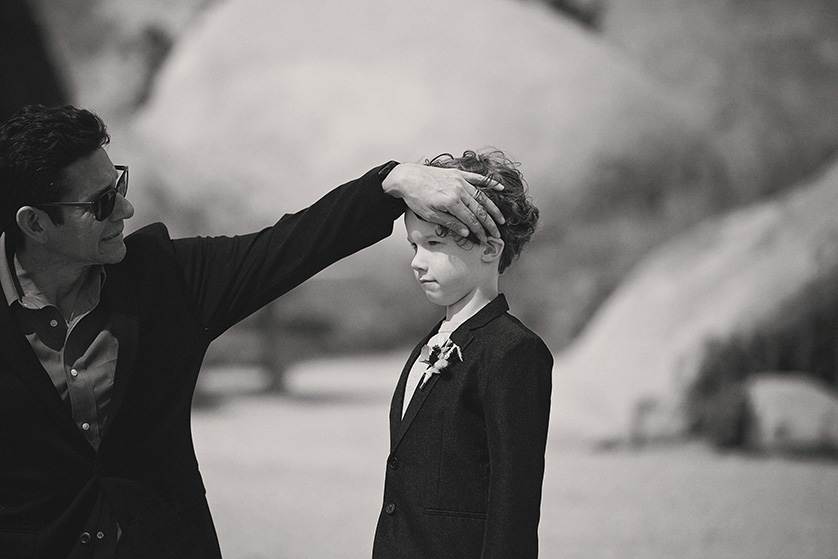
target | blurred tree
[
  {"x": 26, "y": 70},
  {"x": 585, "y": 12},
  {"x": 153, "y": 46}
]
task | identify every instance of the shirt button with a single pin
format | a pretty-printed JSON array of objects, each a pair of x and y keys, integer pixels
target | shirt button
[
  {"x": 74, "y": 372},
  {"x": 85, "y": 537},
  {"x": 100, "y": 535},
  {"x": 85, "y": 426},
  {"x": 390, "y": 508},
  {"x": 54, "y": 323}
]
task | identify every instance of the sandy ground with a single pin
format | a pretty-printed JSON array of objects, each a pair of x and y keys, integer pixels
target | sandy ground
[{"x": 301, "y": 476}]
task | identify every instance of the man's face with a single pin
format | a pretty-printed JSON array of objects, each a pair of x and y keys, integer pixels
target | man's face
[
  {"x": 80, "y": 239},
  {"x": 447, "y": 268}
]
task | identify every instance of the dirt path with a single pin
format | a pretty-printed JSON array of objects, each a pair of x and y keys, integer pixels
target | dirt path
[{"x": 301, "y": 478}]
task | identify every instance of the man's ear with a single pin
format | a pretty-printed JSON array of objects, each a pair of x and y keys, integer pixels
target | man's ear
[
  {"x": 492, "y": 249},
  {"x": 33, "y": 223}
]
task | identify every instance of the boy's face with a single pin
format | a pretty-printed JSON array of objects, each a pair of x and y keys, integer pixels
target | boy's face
[{"x": 448, "y": 272}]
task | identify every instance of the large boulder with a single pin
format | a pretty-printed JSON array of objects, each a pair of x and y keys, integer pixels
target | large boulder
[
  {"x": 109, "y": 51},
  {"x": 633, "y": 365},
  {"x": 267, "y": 104},
  {"x": 766, "y": 73},
  {"x": 792, "y": 414},
  {"x": 669, "y": 112}
]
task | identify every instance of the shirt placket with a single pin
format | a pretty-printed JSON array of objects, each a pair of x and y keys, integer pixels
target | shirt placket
[
  {"x": 81, "y": 387},
  {"x": 63, "y": 349}
]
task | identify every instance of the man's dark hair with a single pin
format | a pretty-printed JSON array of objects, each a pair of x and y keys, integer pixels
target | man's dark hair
[
  {"x": 513, "y": 201},
  {"x": 36, "y": 145}
]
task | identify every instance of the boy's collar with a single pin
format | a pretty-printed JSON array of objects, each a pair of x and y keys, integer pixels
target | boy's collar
[
  {"x": 462, "y": 336},
  {"x": 490, "y": 310}
]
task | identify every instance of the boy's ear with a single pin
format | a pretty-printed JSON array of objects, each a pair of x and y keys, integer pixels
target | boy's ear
[
  {"x": 33, "y": 223},
  {"x": 492, "y": 249}
]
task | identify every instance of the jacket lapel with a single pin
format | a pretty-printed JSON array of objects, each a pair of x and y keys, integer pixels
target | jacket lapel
[
  {"x": 462, "y": 336},
  {"x": 24, "y": 364},
  {"x": 397, "y": 403},
  {"x": 125, "y": 326},
  {"x": 413, "y": 408}
]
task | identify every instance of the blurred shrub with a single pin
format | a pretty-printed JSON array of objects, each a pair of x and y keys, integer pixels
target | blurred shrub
[
  {"x": 802, "y": 337},
  {"x": 27, "y": 72}
]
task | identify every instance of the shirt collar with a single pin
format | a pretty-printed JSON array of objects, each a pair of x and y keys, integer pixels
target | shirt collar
[{"x": 8, "y": 281}]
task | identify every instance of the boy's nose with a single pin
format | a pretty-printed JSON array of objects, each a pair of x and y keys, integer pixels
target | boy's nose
[{"x": 417, "y": 263}]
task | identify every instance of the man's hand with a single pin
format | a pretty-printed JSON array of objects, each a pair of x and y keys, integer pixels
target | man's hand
[{"x": 447, "y": 197}]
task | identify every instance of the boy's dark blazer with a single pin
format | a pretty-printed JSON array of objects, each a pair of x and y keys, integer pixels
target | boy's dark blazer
[
  {"x": 165, "y": 302},
  {"x": 442, "y": 499}
]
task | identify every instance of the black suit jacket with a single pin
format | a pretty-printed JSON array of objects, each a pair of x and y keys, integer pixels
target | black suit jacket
[
  {"x": 165, "y": 302},
  {"x": 466, "y": 464}
]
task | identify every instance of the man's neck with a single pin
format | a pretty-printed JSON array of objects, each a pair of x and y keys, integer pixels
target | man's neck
[{"x": 56, "y": 282}]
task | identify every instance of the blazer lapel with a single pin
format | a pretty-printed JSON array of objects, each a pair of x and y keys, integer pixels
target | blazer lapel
[
  {"x": 124, "y": 322},
  {"x": 23, "y": 363},
  {"x": 462, "y": 336},
  {"x": 413, "y": 408},
  {"x": 397, "y": 403},
  {"x": 125, "y": 326}
]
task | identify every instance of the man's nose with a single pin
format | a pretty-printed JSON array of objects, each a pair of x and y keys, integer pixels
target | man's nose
[{"x": 124, "y": 209}]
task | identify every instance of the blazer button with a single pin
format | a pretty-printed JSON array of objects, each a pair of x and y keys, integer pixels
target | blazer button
[
  {"x": 393, "y": 462},
  {"x": 390, "y": 508},
  {"x": 85, "y": 537}
]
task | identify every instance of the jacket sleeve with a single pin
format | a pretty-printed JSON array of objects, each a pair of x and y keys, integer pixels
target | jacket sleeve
[
  {"x": 517, "y": 410},
  {"x": 229, "y": 278}
]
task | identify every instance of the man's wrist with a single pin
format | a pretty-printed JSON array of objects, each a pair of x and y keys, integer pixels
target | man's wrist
[
  {"x": 386, "y": 168},
  {"x": 383, "y": 173}
]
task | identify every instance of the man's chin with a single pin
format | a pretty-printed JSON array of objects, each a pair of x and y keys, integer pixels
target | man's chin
[{"x": 115, "y": 254}]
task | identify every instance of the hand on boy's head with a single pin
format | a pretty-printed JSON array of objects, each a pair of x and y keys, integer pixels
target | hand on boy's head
[{"x": 448, "y": 197}]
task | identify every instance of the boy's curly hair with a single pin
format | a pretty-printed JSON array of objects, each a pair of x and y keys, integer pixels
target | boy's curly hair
[{"x": 513, "y": 201}]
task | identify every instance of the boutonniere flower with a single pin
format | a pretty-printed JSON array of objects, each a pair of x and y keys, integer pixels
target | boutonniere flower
[{"x": 438, "y": 357}]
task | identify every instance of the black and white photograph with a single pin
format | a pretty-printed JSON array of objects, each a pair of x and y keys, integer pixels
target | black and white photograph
[{"x": 440, "y": 279}]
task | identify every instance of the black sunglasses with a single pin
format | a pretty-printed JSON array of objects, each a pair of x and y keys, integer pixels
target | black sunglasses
[{"x": 102, "y": 207}]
